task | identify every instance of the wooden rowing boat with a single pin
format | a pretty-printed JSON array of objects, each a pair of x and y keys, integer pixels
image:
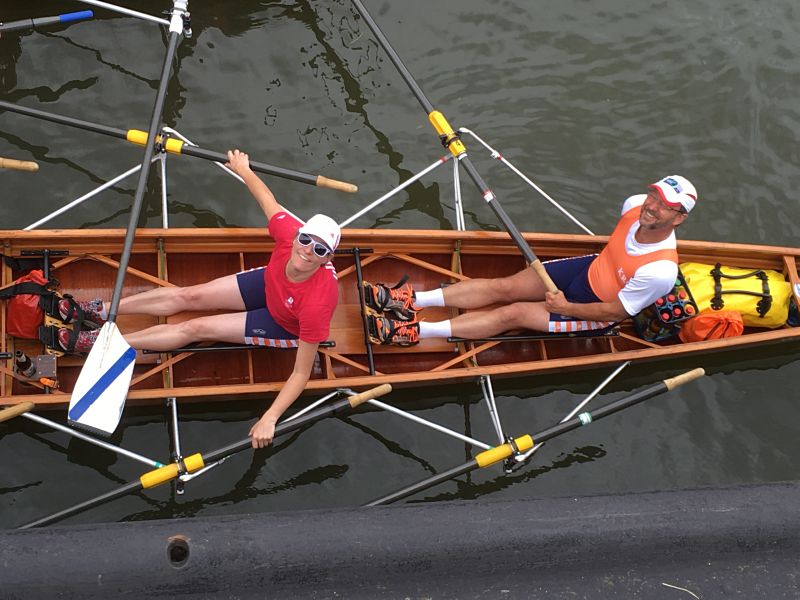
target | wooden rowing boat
[{"x": 167, "y": 257}]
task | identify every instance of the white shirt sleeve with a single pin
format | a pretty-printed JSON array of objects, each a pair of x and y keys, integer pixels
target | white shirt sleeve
[
  {"x": 633, "y": 202},
  {"x": 648, "y": 283}
]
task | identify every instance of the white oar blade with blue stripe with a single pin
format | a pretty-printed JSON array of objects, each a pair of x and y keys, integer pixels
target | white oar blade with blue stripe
[{"x": 99, "y": 394}]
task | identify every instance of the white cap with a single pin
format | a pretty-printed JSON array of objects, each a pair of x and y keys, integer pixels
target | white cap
[
  {"x": 324, "y": 228},
  {"x": 676, "y": 191}
]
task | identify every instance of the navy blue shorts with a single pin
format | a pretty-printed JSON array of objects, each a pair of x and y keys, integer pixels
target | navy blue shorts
[
  {"x": 571, "y": 276},
  {"x": 260, "y": 328}
]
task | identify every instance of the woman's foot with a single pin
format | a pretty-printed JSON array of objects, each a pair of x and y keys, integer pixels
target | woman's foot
[
  {"x": 83, "y": 343},
  {"x": 92, "y": 309}
]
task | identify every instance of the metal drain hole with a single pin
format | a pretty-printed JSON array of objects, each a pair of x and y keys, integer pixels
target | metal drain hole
[{"x": 178, "y": 551}]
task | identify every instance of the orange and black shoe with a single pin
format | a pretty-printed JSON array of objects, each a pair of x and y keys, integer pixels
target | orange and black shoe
[
  {"x": 384, "y": 331},
  {"x": 395, "y": 302}
]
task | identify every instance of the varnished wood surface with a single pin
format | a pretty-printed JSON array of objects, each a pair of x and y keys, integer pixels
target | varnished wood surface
[{"x": 431, "y": 258}]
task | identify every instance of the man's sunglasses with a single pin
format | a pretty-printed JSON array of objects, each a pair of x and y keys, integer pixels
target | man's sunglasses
[{"x": 320, "y": 250}]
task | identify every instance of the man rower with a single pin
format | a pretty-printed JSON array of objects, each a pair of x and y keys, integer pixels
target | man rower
[{"x": 638, "y": 265}]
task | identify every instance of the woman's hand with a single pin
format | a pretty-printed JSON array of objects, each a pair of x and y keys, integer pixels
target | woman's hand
[
  {"x": 263, "y": 431},
  {"x": 238, "y": 162}
]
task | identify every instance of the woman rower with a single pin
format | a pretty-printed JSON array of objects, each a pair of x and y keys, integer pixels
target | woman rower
[{"x": 287, "y": 303}]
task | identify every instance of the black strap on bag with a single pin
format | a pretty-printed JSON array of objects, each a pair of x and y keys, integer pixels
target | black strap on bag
[
  {"x": 27, "y": 287},
  {"x": 762, "y": 306}
]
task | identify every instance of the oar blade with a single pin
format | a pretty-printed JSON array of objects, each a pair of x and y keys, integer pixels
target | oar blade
[{"x": 102, "y": 387}]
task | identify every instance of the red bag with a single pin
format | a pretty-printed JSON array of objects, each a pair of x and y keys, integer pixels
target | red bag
[
  {"x": 712, "y": 325},
  {"x": 24, "y": 313}
]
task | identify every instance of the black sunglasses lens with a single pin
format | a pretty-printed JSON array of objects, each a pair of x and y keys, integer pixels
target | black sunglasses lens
[{"x": 304, "y": 240}]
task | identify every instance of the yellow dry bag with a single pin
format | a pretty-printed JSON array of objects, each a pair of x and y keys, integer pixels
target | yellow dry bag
[{"x": 761, "y": 296}]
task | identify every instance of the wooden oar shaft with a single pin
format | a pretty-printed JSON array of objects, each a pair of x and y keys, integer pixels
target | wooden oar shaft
[
  {"x": 490, "y": 457},
  {"x": 197, "y": 461},
  {"x": 18, "y": 165}
]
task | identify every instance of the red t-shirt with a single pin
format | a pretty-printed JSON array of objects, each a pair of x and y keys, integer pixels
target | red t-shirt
[{"x": 306, "y": 308}]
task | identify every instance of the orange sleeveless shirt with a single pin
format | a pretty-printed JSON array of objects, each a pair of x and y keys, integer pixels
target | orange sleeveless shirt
[{"x": 614, "y": 267}]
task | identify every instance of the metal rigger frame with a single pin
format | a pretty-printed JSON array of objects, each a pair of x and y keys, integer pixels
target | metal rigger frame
[{"x": 450, "y": 139}]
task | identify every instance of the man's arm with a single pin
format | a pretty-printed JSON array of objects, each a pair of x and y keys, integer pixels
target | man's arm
[{"x": 591, "y": 311}]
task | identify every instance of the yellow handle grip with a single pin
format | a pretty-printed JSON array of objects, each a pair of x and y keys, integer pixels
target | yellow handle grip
[
  {"x": 333, "y": 184},
  {"x": 19, "y": 165},
  {"x": 674, "y": 382},
  {"x": 358, "y": 399},
  {"x": 493, "y": 455},
  {"x": 170, "y": 472},
  {"x": 15, "y": 411}
]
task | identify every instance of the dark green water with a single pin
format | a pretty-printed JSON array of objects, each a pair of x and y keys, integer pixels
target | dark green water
[{"x": 592, "y": 100}]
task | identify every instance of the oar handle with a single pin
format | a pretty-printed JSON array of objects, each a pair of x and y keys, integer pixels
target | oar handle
[
  {"x": 19, "y": 165},
  {"x": 544, "y": 276},
  {"x": 197, "y": 152},
  {"x": 15, "y": 411},
  {"x": 376, "y": 392},
  {"x": 335, "y": 184},
  {"x": 679, "y": 380}
]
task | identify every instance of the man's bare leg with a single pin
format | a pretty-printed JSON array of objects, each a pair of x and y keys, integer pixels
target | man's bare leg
[
  {"x": 483, "y": 324},
  {"x": 477, "y": 293}
]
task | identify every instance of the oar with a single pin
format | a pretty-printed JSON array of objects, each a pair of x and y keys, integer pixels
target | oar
[
  {"x": 195, "y": 462},
  {"x": 44, "y": 21},
  {"x": 19, "y": 165},
  {"x": 176, "y": 146},
  {"x": 15, "y": 410},
  {"x": 526, "y": 442},
  {"x": 102, "y": 386},
  {"x": 452, "y": 141}
]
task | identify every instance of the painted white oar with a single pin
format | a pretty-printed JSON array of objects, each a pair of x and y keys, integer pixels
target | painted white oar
[
  {"x": 99, "y": 395},
  {"x": 102, "y": 387}
]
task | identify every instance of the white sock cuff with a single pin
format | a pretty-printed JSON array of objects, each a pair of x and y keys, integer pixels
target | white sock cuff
[
  {"x": 437, "y": 329},
  {"x": 429, "y": 298}
]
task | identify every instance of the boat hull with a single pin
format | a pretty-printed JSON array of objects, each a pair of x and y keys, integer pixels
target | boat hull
[{"x": 183, "y": 257}]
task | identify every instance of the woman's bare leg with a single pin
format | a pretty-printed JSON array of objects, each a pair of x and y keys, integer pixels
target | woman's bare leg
[
  {"x": 217, "y": 294},
  {"x": 215, "y": 328}
]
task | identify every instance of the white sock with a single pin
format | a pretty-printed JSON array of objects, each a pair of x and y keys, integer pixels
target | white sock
[
  {"x": 103, "y": 311},
  {"x": 437, "y": 329},
  {"x": 429, "y": 298}
]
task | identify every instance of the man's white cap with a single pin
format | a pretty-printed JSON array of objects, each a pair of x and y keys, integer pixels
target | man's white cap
[
  {"x": 676, "y": 191},
  {"x": 324, "y": 228}
]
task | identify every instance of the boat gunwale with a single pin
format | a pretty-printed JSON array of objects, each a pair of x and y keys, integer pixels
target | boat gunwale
[{"x": 395, "y": 241}]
